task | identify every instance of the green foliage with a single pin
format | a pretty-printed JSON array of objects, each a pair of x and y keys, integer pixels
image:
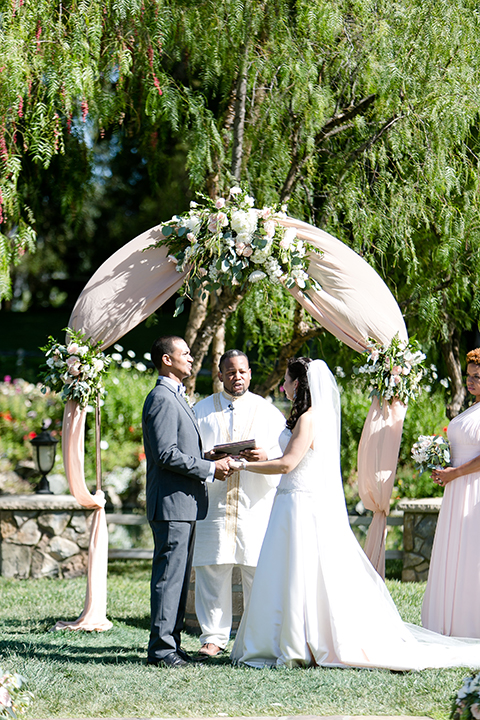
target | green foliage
[
  {"x": 23, "y": 407},
  {"x": 262, "y": 323}
]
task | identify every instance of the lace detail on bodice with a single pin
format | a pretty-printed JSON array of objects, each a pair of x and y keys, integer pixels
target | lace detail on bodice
[{"x": 305, "y": 477}]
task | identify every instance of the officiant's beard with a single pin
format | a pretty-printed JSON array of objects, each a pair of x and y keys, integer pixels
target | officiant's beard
[{"x": 237, "y": 394}]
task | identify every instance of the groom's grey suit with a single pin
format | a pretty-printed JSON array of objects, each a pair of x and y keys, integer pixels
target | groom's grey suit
[{"x": 176, "y": 498}]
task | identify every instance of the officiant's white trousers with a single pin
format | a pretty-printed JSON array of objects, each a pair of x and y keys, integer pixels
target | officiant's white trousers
[{"x": 213, "y": 600}]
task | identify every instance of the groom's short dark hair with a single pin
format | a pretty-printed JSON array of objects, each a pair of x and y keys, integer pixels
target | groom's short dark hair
[
  {"x": 229, "y": 354},
  {"x": 164, "y": 345}
]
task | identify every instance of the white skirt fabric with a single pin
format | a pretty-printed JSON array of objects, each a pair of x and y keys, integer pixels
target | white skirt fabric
[{"x": 317, "y": 600}]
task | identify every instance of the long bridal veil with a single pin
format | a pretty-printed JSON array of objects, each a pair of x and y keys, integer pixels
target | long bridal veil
[{"x": 363, "y": 623}]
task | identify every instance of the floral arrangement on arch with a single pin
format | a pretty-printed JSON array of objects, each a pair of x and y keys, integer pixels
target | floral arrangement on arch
[
  {"x": 430, "y": 452},
  {"x": 228, "y": 242},
  {"x": 76, "y": 370},
  {"x": 393, "y": 371},
  {"x": 13, "y": 699},
  {"x": 466, "y": 703}
]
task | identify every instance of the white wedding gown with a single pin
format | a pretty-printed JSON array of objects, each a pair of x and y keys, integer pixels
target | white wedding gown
[{"x": 316, "y": 599}]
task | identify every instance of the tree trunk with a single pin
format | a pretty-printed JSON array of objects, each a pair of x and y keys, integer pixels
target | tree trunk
[
  {"x": 302, "y": 332},
  {"x": 218, "y": 348},
  {"x": 227, "y": 303},
  {"x": 198, "y": 312},
  {"x": 451, "y": 355}
]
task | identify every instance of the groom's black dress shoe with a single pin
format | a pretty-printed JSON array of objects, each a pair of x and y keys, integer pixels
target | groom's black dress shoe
[
  {"x": 184, "y": 655},
  {"x": 173, "y": 660}
]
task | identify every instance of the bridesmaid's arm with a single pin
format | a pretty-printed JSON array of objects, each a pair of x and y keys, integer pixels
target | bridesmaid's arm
[
  {"x": 446, "y": 475},
  {"x": 301, "y": 440}
]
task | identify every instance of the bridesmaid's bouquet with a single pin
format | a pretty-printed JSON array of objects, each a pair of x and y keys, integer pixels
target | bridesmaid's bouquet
[
  {"x": 466, "y": 703},
  {"x": 430, "y": 452}
]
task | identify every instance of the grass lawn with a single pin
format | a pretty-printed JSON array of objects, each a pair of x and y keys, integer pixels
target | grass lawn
[{"x": 104, "y": 674}]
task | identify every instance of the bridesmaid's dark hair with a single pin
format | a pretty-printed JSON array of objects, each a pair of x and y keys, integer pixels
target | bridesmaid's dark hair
[{"x": 297, "y": 369}]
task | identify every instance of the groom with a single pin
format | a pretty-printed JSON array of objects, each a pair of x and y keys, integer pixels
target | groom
[{"x": 176, "y": 495}]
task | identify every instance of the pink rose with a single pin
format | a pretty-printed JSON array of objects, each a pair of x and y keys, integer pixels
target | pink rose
[
  {"x": 247, "y": 251},
  {"x": 212, "y": 223},
  {"x": 5, "y": 698},
  {"x": 269, "y": 227},
  {"x": 219, "y": 203},
  {"x": 240, "y": 247}
]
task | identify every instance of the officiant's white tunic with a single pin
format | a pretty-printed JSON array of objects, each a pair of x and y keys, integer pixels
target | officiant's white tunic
[{"x": 239, "y": 507}]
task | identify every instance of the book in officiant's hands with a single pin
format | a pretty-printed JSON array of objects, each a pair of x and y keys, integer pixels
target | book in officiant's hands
[{"x": 234, "y": 448}]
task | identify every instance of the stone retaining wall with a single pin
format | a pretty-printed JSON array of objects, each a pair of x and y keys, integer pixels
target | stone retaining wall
[
  {"x": 43, "y": 536},
  {"x": 419, "y": 524}
]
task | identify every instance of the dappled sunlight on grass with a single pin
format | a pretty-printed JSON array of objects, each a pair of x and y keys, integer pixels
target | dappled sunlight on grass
[{"x": 80, "y": 674}]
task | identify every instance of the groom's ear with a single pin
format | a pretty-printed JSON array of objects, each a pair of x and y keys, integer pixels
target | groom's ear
[{"x": 166, "y": 360}]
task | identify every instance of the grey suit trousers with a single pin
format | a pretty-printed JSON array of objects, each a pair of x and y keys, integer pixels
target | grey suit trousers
[{"x": 172, "y": 563}]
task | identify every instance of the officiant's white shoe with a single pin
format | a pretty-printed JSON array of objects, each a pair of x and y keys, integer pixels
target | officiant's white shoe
[{"x": 210, "y": 649}]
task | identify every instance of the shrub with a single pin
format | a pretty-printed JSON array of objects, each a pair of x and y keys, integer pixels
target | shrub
[{"x": 23, "y": 407}]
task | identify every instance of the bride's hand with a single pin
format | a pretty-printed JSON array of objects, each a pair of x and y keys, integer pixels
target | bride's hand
[{"x": 236, "y": 464}]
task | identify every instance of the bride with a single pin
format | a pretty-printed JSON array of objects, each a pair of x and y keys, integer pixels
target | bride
[{"x": 316, "y": 599}]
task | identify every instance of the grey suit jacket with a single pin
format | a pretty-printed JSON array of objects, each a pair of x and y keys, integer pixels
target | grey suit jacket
[{"x": 176, "y": 470}]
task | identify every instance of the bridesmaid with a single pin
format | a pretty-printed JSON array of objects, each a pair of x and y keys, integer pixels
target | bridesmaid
[{"x": 451, "y": 603}]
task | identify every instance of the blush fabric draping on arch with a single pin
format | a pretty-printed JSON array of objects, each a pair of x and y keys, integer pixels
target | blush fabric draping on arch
[{"x": 353, "y": 304}]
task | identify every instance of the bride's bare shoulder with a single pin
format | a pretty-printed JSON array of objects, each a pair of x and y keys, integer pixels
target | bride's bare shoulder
[{"x": 305, "y": 421}]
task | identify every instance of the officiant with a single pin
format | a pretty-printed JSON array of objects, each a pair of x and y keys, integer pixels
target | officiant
[{"x": 238, "y": 512}]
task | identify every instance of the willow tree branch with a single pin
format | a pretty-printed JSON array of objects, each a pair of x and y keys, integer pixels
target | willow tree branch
[
  {"x": 302, "y": 332},
  {"x": 334, "y": 125}
]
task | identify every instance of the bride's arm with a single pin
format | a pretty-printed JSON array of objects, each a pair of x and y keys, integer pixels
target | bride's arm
[{"x": 301, "y": 440}]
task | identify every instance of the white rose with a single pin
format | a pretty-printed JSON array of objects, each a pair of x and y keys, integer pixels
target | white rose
[
  {"x": 256, "y": 275},
  {"x": 193, "y": 223},
  {"x": 98, "y": 364},
  {"x": 244, "y": 222}
]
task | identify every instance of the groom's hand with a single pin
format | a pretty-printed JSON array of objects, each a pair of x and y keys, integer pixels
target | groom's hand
[
  {"x": 222, "y": 469},
  {"x": 254, "y": 455}
]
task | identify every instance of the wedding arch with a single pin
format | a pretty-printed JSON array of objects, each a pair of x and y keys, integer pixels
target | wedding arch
[{"x": 348, "y": 298}]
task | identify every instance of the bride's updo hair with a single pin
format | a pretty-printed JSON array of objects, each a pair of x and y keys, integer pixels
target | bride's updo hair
[{"x": 297, "y": 369}]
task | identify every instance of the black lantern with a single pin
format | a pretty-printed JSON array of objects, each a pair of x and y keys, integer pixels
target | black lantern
[{"x": 44, "y": 456}]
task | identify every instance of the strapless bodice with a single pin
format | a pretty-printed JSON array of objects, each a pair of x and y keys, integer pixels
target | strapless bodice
[{"x": 305, "y": 477}]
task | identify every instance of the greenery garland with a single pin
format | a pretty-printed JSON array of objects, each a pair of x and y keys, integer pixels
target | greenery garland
[{"x": 228, "y": 242}]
